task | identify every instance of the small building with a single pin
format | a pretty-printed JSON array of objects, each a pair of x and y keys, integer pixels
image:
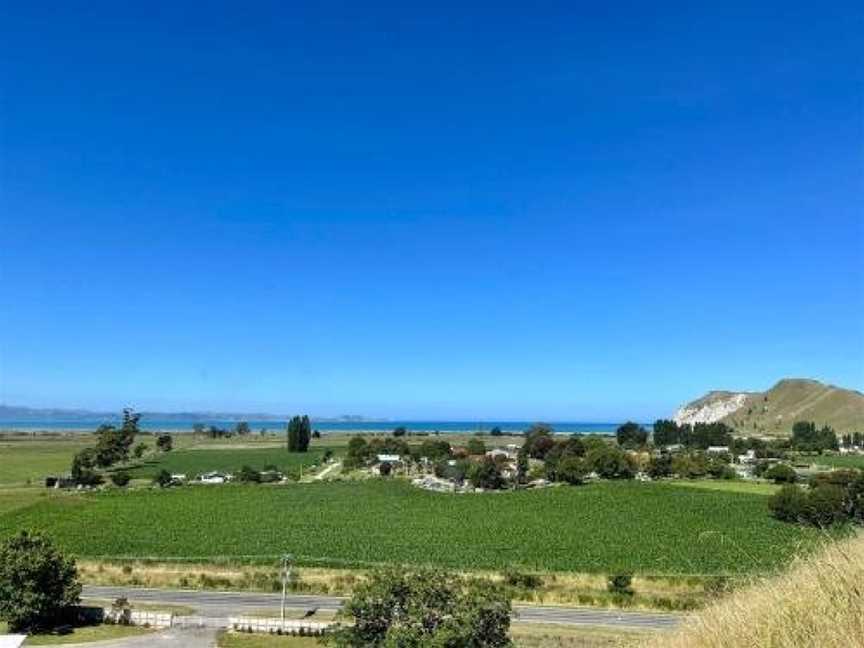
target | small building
[
  {"x": 388, "y": 458},
  {"x": 178, "y": 477},
  {"x": 748, "y": 457},
  {"x": 674, "y": 447},
  {"x": 499, "y": 452},
  {"x": 717, "y": 450}
]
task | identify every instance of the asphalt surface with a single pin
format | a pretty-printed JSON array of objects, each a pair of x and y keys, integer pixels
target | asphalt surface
[{"x": 214, "y": 608}]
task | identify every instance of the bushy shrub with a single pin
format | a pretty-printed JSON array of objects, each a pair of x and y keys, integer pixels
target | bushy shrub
[
  {"x": 620, "y": 584},
  {"x": 120, "y": 478},
  {"x": 781, "y": 474},
  {"x": 825, "y": 505},
  {"x": 610, "y": 463},
  {"x": 789, "y": 504}
]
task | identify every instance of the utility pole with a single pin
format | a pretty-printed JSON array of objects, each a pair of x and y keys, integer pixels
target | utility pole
[{"x": 287, "y": 559}]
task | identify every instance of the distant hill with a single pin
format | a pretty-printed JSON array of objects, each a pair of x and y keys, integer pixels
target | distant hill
[
  {"x": 773, "y": 412},
  {"x": 25, "y": 414}
]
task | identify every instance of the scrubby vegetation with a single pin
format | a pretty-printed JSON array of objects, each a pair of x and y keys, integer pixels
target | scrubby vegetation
[{"x": 817, "y": 603}]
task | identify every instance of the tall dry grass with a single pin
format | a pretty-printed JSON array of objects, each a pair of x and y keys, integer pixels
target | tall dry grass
[{"x": 818, "y": 602}]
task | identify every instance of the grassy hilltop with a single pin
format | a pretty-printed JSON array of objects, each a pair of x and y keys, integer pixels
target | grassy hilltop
[{"x": 773, "y": 412}]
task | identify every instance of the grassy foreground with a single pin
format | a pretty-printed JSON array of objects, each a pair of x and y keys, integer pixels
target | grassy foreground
[
  {"x": 818, "y": 603},
  {"x": 654, "y": 528}
]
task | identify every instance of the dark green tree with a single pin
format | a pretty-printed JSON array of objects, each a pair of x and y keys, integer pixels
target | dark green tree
[
  {"x": 164, "y": 443},
  {"x": 486, "y": 474},
  {"x": 781, "y": 474},
  {"x": 248, "y": 475},
  {"x": 610, "y": 463},
  {"x": 163, "y": 479},
  {"x": 38, "y": 584},
  {"x": 538, "y": 440},
  {"x": 400, "y": 431},
  {"x": 399, "y": 608},
  {"x": 495, "y": 431},
  {"x": 242, "y": 429},
  {"x": 120, "y": 478},
  {"x": 299, "y": 434},
  {"x": 631, "y": 435}
]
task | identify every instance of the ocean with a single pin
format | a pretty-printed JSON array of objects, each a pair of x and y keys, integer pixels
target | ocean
[{"x": 328, "y": 426}]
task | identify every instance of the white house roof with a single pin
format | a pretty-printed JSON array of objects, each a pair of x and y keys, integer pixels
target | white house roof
[
  {"x": 718, "y": 448},
  {"x": 389, "y": 458}
]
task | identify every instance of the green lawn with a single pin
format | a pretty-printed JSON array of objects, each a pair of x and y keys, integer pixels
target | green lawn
[
  {"x": 195, "y": 461},
  {"x": 653, "y": 528},
  {"x": 728, "y": 486}
]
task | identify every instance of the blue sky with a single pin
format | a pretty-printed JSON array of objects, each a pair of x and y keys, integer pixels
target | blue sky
[{"x": 562, "y": 211}]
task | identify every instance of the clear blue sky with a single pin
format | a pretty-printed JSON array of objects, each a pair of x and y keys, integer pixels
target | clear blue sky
[{"x": 544, "y": 211}]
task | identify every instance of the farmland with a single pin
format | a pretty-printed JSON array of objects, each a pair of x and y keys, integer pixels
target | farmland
[
  {"x": 648, "y": 528},
  {"x": 841, "y": 461},
  {"x": 192, "y": 462}
]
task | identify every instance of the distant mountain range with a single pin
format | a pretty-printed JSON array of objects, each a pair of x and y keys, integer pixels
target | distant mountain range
[
  {"x": 775, "y": 411},
  {"x": 24, "y": 414}
]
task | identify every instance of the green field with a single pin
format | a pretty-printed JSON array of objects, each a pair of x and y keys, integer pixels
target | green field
[
  {"x": 28, "y": 458},
  {"x": 648, "y": 528},
  {"x": 196, "y": 461},
  {"x": 840, "y": 461}
]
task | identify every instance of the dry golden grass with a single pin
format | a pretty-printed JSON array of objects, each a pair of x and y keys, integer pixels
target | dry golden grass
[
  {"x": 556, "y": 588},
  {"x": 819, "y": 602}
]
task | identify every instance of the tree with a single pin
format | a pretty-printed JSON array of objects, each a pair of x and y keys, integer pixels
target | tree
[
  {"x": 113, "y": 443},
  {"x": 781, "y": 474},
  {"x": 242, "y": 428},
  {"x": 163, "y": 479},
  {"x": 400, "y": 431},
  {"x": 571, "y": 470},
  {"x": 198, "y": 428},
  {"x": 789, "y": 504},
  {"x": 358, "y": 452},
  {"x": 475, "y": 446},
  {"x": 316, "y": 434},
  {"x": 486, "y": 474},
  {"x": 825, "y": 505},
  {"x": 299, "y": 434},
  {"x": 496, "y": 431},
  {"x": 164, "y": 443},
  {"x": 620, "y": 584},
  {"x": 398, "y": 608},
  {"x": 666, "y": 432},
  {"x": 660, "y": 466},
  {"x": 610, "y": 463},
  {"x": 807, "y": 438},
  {"x": 248, "y": 475},
  {"x": 538, "y": 440},
  {"x": 37, "y": 583},
  {"x": 631, "y": 435},
  {"x": 120, "y": 478},
  {"x": 434, "y": 450},
  {"x": 139, "y": 450},
  {"x": 385, "y": 469},
  {"x": 82, "y": 469}
]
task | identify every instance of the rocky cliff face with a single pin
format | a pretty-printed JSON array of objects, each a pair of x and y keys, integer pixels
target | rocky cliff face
[
  {"x": 712, "y": 407},
  {"x": 773, "y": 412}
]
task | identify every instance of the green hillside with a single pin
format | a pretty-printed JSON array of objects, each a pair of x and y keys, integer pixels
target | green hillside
[{"x": 773, "y": 412}]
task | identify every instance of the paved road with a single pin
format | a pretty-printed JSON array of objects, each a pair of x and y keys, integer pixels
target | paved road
[{"x": 214, "y": 608}]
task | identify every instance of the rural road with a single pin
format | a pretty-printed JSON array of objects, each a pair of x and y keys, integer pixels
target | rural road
[{"x": 214, "y": 608}]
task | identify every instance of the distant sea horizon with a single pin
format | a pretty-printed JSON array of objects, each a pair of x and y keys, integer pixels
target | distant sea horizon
[{"x": 327, "y": 426}]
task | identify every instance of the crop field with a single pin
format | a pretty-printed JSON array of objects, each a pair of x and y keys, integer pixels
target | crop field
[
  {"x": 650, "y": 528},
  {"x": 196, "y": 461}
]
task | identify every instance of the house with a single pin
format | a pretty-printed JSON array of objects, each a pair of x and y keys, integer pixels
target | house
[
  {"x": 748, "y": 457},
  {"x": 674, "y": 447},
  {"x": 388, "y": 458},
  {"x": 717, "y": 450},
  {"x": 179, "y": 478},
  {"x": 498, "y": 452}
]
